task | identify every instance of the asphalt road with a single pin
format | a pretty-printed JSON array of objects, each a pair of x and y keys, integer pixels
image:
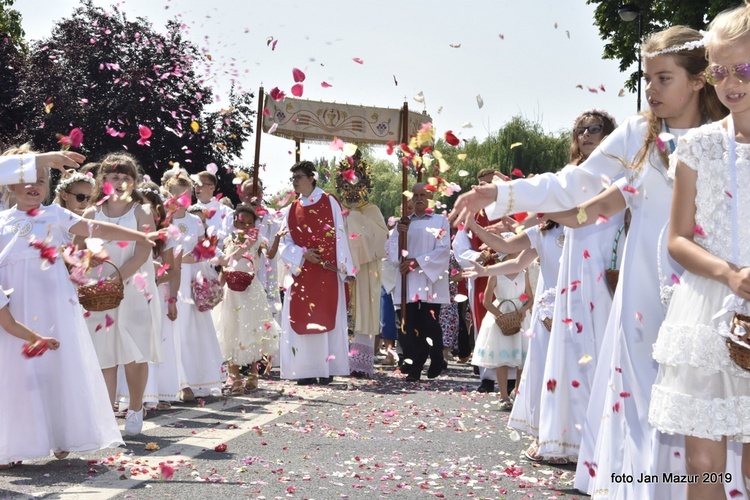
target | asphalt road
[{"x": 353, "y": 439}]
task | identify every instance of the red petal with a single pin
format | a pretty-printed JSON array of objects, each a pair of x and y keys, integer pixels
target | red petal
[
  {"x": 325, "y": 85},
  {"x": 451, "y": 139},
  {"x": 297, "y": 90},
  {"x": 517, "y": 172},
  {"x": 298, "y": 75}
]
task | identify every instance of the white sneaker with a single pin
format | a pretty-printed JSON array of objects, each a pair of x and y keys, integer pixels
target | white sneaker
[{"x": 133, "y": 423}]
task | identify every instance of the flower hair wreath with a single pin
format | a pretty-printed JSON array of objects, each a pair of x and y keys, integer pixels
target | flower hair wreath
[
  {"x": 595, "y": 111},
  {"x": 691, "y": 45},
  {"x": 65, "y": 183}
]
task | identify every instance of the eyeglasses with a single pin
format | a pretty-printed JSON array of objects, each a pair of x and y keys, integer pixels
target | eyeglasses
[
  {"x": 80, "y": 197},
  {"x": 593, "y": 129},
  {"x": 297, "y": 177},
  {"x": 716, "y": 73}
]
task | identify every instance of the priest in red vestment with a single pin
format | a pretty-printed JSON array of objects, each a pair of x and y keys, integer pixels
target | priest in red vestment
[{"x": 314, "y": 341}]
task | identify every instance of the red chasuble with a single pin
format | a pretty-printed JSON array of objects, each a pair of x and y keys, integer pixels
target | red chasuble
[{"x": 314, "y": 294}]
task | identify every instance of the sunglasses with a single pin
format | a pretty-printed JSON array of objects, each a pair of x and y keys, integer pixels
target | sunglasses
[
  {"x": 716, "y": 73},
  {"x": 593, "y": 129},
  {"x": 80, "y": 197}
]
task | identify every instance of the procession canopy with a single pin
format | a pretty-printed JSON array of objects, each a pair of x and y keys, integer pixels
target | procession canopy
[{"x": 317, "y": 121}]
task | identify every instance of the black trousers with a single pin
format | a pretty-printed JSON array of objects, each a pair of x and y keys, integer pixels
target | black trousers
[
  {"x": 421, "y": 324},
  {"x": 465, "y": 335}
]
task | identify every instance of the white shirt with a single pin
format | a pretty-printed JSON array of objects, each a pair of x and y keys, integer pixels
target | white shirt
[
  {"x": 220, "y": 224},
  {"x": 428, "y": 241}
]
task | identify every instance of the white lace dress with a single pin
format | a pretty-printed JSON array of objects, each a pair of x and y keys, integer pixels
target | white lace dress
[
  {"x": 699, "y": 391},
  {"x": 244, "y": 322}
]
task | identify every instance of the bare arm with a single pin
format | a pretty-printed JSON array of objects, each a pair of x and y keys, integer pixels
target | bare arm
[
  {"x": 529, "y": 293},
  {"x": 607, "y": 203},
  {"x": 510, "y": 266},
  {"x": 489, "y": 295},
  {"x": 21, "y": 331},
  {"x": 510, "y": 245},
  {"x": 686, "y": 251}
]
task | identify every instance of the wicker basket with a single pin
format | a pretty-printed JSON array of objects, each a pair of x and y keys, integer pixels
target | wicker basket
[
  {"x": 103, "y": 295},
  {"x": 547, "y": 322},
  {"x": 238, "y": 281},
  {"x": 737, "y": 352},
  {"x": 510, "y": 322}
]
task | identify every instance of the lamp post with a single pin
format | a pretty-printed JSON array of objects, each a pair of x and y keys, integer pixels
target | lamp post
[{"x": 629, "y": 12}]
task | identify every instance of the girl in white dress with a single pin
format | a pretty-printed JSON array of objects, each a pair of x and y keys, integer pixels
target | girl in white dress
[
  {"x": 699, "y": 391},
  {"x": 546, "y": 242},
  {"x": 493, "y": 349},
  {"x": 58, "y": 402},
  {"x": 197, "y": 349},
  {"x": 245, "y": 325},
  {"x": 162, "y": 386},
  {"x": 129, "y": 334}
]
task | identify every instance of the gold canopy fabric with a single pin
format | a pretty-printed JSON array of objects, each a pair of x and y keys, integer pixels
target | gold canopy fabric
[{"x": 311, "y": 121}]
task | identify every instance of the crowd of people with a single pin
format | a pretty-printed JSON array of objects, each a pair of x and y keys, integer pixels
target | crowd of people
[{"x": 604, "y": 300}]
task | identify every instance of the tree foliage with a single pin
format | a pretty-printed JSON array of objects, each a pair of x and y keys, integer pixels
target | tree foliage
[
  {"x": 111, "y": 77},
  {"x": 10, "y": 25},
  {"x": 622, "y": 37}
]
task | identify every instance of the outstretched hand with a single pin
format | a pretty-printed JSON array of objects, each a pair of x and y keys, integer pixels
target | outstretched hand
[
  {"x": 470, "y": 203},
  {"x": 59, "y": 160},
  {"x": 477, "y": 270}
]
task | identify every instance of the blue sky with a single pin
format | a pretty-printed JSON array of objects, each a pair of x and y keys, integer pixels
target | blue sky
[{"x": 522, "y": 57}]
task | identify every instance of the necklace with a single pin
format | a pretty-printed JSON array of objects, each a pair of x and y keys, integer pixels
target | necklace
[{"x": 117, "y": 222}]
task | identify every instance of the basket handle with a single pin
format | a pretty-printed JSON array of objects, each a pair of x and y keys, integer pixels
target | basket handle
[
  {"x": 507, "y": 300},
  {"x": 615, "y": 245},
  {"x": 119, "y": 274}
]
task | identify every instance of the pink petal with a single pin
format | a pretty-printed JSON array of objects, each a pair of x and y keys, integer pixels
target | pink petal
[
  {"x": 325, "y": 85},
  {"x": 358, "y": 60},
  {"x": 144, "y": 132},
  {"x": 108, "y": 321},
  {"x": 297, "y": 90},
  {"x": 108, "y": 188},
  {"x": 298, "y": 75},
  {"x": 330, "y": 357}
]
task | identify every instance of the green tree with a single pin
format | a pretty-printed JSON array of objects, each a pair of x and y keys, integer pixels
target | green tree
[
  {"x": 622, "y": 37},
  {"x": 10, "y": 24},
  {"x": 111, "y": 77},
  {"x": 520, "y": 144}
]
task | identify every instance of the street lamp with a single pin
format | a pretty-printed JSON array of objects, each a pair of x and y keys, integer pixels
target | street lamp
[{"x": 629, "y": 12}]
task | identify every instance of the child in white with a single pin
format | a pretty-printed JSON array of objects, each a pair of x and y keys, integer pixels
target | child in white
[
  {"x": 245, "y": 325},
  {"x": 493, "y": 349}
]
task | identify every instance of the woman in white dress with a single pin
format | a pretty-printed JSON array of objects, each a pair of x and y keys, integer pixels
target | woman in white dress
[
  {"x": 245, "y": 325},
  {"x": 56, "y": 403},
  {"x": 197, "y": 349},
  {"x": 493, "y": 348},
  {"x": 129, "y": 334}
]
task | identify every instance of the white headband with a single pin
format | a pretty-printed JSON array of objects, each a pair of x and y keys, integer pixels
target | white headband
[
  {"x": 691, "y": 45},
  {"x": 72, "y": 179}
]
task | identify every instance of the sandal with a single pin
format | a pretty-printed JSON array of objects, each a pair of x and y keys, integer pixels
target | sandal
[
  {"x": 163, "y": 406},
  {"x": 505, "y": 404},
  {"x": 251, "y": 383},
  {"x": 61, "y": 455},
  {"x": 558, "y": 461},
  {"x": 237, "y": 389},
  {"x": 11, "y": 465},
  {"x": 186, "y": 395},
  {"x": 532, "y": 454}
]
